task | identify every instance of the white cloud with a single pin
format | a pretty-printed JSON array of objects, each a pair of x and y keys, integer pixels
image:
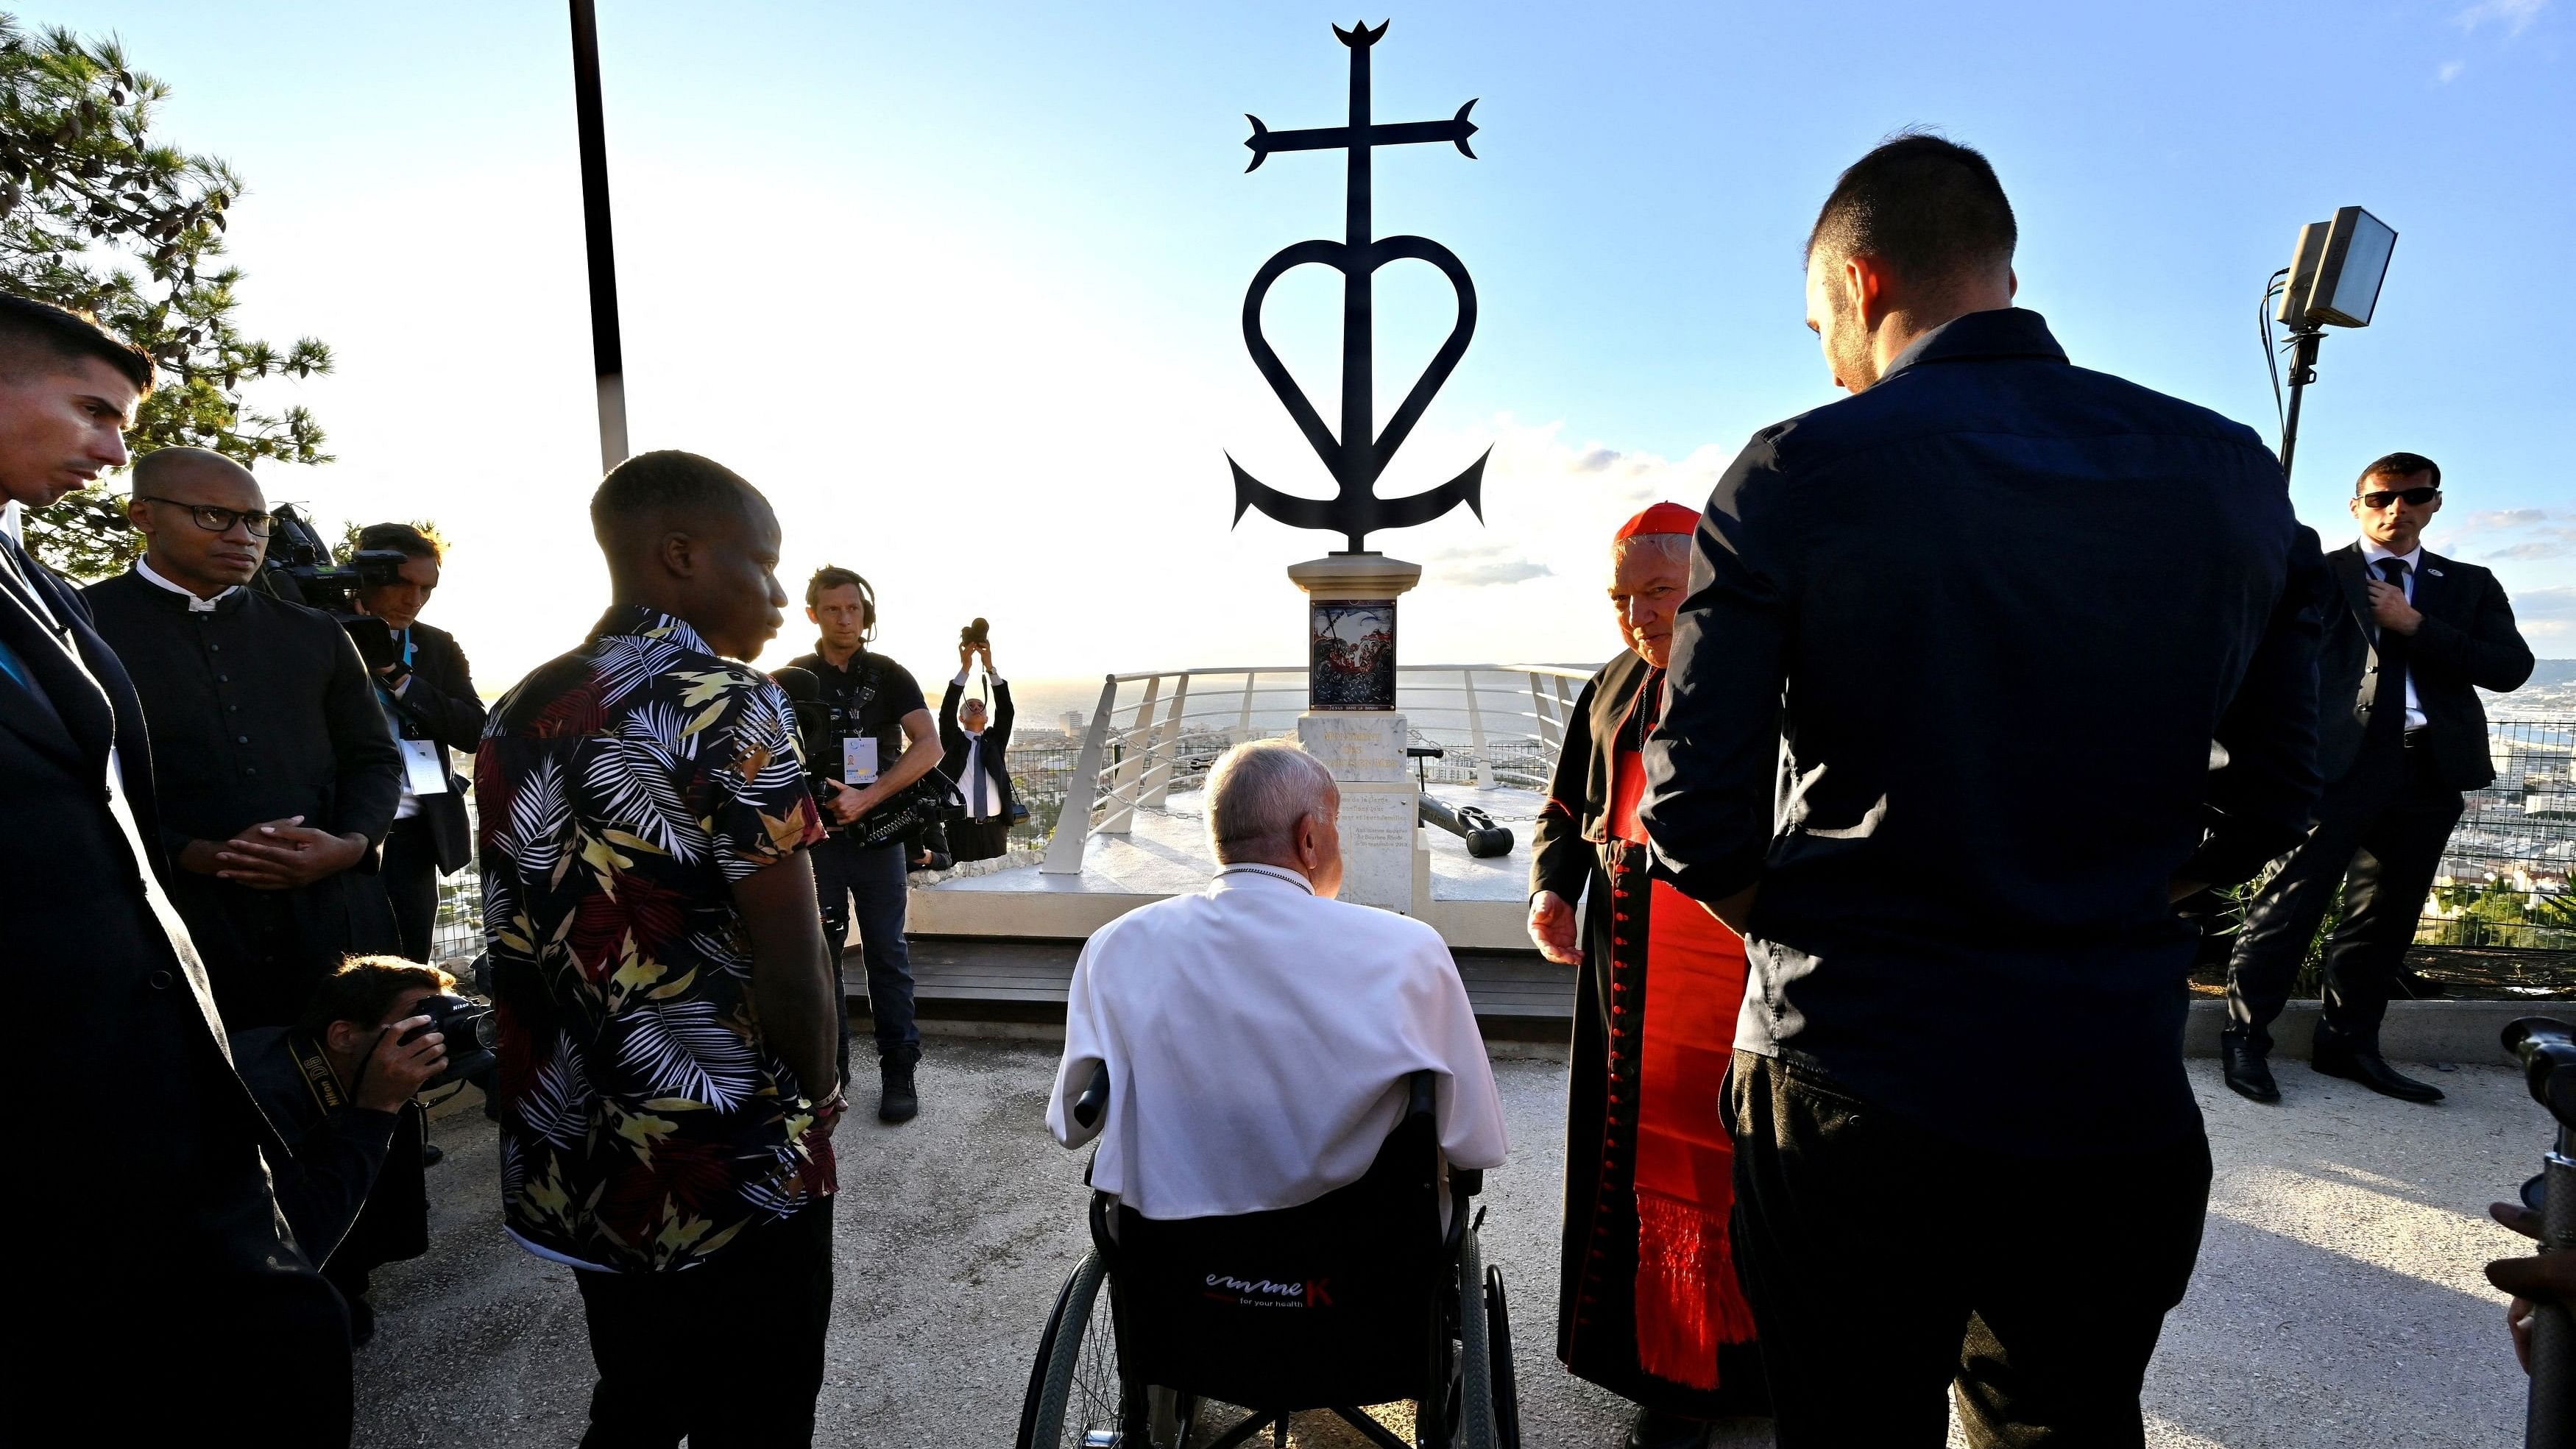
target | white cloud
[
  {"x": 2547, "y": 618},
  {"x": 1491, "y": 564},
  {"x": 2450, "y": 71},
  {"x": 2515, "y": 16}
]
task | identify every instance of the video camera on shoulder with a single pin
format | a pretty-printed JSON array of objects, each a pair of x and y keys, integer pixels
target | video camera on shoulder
[{"x": 299, "y": 569}]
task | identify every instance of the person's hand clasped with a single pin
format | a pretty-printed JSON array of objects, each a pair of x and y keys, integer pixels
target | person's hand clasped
[
  {"x": 398, "y": 1069},
  {"x": 2389, "y": 609},
  {"x": 1554, "y": 929},
  {"x": 285, "y": 855}
]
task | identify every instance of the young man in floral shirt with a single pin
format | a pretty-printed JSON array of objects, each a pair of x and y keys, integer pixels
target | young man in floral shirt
[{"x": 667, "y": 1083}]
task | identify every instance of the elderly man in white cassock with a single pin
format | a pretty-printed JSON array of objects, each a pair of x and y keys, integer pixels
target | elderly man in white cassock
[{"x": 1259, "y": 1034}]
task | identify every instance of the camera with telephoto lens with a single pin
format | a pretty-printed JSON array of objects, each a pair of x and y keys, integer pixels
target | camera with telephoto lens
[
  {"x": 467, "y": 1025},
  {"x": 299, "y": 569}
]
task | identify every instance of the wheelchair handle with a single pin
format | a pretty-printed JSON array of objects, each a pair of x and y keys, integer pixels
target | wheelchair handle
[{"x": 1095, "y": 1097}]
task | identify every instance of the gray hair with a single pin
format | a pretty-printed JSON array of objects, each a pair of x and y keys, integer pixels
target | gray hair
[
  {"x": 1256, "y": 794},
  {"x": 1675, "y": 547}
]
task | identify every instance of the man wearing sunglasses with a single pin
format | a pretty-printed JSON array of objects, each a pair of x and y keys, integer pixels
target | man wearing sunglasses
[
  {"x": 2409, "y": 639},
  {"x": 277, "y": 776}
]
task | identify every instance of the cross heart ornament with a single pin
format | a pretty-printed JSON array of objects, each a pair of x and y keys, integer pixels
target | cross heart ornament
[{"x": 1358, "y": 455}]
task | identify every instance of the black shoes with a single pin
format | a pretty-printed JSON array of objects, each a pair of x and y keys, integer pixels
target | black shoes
[
  {"x": 2248, "y": 1074},
  {"x": 897, "y": 1102},
  {"x": 1653, "y": 1430},
  {"x": 2337, "y": 1056}
]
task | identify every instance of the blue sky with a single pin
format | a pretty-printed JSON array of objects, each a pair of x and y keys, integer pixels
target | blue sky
[{"x": 959, "y": 285}]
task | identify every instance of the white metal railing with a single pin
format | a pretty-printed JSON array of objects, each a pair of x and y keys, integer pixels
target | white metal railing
[{"x": 1474, "y": 711}]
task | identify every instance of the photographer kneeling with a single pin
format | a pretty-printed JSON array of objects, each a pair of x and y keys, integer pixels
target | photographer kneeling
[{"x": 340, "y": 1087}]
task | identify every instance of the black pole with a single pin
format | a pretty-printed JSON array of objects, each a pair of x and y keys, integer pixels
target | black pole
[
  {"x": 608, "y": 355},
  {"x": 2303, "y": 370}
]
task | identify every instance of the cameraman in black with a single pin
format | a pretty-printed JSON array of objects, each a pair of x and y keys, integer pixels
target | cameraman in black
[
  {"x": 276, "y": 775},
  {"x": 888, "y": 740},
  {"x": 340, "y": 1085},
  {"x": 429, "y": 700}
]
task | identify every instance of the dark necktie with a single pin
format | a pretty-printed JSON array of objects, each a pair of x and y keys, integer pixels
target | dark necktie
[{"x": 2388, "y": 700}]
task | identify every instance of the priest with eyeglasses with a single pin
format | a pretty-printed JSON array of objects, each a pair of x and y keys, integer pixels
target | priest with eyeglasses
[{"x": 275, "y": 774}]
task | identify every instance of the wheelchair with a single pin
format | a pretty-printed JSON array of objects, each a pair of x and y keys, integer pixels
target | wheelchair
[{"x": 1359, "y": 1297}]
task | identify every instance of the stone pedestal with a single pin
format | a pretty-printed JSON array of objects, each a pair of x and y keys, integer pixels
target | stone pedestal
[{"x": 1351, "y": 724}]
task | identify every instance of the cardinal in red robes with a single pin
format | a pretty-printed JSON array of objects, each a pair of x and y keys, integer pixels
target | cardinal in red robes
[{"x": 1648, "y": 1302}]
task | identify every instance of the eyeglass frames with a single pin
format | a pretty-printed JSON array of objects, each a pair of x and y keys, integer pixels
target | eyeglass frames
[
  {"x": 218, "y": 520},
  {"x": 2414, "y": 497}
]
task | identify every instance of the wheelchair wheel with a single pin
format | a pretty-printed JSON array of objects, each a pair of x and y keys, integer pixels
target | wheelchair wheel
[
  {"x": 1480, "y": 1417},
  {"x": 1506, "y": 1378},
  {"x": 1080, "y": 1400}
]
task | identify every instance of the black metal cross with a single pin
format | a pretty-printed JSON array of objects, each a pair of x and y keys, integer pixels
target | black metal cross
[{"x": 1359, "y": 455}]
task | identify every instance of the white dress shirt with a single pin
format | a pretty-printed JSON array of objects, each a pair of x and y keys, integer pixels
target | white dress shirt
[
  {"x": 974, "y": 783},
  {"x": 2371, "y": 553},
  {"x": 1259, "y": 1039}
]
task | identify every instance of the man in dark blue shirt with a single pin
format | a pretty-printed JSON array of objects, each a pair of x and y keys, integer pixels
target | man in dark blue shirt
[{"x": 1981, "y": 669}]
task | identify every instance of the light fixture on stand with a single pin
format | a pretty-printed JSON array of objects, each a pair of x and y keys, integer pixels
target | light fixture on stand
[{"x": 2332, "y": 282}]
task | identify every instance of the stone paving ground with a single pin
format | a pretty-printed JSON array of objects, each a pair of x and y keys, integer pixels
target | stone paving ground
[{"x": 2338, "y": 1301}]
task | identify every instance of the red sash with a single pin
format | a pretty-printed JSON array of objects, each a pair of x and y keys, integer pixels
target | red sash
[{"x": 1688, "y": 1300}]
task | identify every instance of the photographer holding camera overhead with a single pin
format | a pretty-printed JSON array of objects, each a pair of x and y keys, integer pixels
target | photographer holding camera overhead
[
  {"x": 275, "y": 775},
  {"x": 342, "y": 1086},
  {"x": 427, "y": 691},
  {"x": 977, "y": 738},
  {"x": 888, "y": 740}
]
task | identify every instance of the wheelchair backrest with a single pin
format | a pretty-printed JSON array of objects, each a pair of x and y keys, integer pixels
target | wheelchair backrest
[{"x": 1333, "y": 1301}]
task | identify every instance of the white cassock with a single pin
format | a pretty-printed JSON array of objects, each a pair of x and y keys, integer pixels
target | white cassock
[{"x": 1259, "y": 1039}]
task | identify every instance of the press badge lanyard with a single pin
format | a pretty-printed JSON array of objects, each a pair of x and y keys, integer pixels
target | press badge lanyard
[{"x": 424, "y": 762}]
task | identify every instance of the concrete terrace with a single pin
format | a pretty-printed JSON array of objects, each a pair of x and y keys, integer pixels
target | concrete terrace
[{"x": 2338, "y": 1300}]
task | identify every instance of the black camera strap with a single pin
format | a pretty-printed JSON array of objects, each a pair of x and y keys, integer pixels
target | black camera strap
[{"x": 319, "y": 1079}]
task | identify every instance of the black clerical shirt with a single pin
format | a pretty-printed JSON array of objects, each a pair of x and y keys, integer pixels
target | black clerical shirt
[
  {"x": 258, "y": 710},
  {"x": 1972, "y": 634}
]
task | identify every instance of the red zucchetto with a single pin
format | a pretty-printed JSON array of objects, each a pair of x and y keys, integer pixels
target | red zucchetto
[{"x": 1661, "y": 518}]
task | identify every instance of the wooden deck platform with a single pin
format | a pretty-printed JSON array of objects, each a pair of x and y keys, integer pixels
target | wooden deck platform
[{"x": 1517, "y": 994}]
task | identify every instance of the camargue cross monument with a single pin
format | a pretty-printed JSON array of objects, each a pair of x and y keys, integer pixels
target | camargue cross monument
[{"x": 1350, "y": 721}]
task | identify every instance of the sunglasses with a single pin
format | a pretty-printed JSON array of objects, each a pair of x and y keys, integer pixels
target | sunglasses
[
  {"x": 219, "y": 520},
  {"x": 2413, "y": 497}
]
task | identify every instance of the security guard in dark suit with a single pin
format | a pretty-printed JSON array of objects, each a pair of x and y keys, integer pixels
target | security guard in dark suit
[
  {"x": 2411, "y": 639},
  {"x": 138, "y": 1198}
]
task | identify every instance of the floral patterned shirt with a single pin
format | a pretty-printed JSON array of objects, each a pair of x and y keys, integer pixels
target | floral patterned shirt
[{"x": 622, "y": 790}]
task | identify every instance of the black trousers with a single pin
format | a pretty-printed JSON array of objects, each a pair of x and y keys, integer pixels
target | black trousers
[
  {"x": 1885, "y": 1264},
  {"x": 2378, "y": 838},
  {"x": 873, "y": 881},
  {"x": 979, "y": 839},
  {"x": 410, "y": 874},
  {"x": 728, "y": 1354}
]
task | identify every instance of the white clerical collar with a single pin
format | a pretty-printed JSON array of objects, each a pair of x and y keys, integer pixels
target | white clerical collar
[
  {"x": 195, "y": 605},
  {"x": 2373, "y": 550},
  {"x": 9, "y": 523},
  {"x": 1256, "y": 868}
]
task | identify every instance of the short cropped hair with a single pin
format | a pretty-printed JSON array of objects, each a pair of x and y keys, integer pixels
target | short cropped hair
[
  {"x": 832, "y": 576},
  {"x": 2399, "y": 465},
  {"x": 663, "y": 487},
  {"x": 364, "y": 988},
  {"x": 1256, "y": 794},
  {"x": 1928, "y": 207},
  {"x": 31, "y": 330},
  {"x": 1675, "y": 547},
  {"x": 411, "y": 540}
]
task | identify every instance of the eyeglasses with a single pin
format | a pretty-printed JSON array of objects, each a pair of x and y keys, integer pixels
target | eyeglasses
[
  {"x": 218, "y": 520},
  {"x": 2413, "y": 497}
]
